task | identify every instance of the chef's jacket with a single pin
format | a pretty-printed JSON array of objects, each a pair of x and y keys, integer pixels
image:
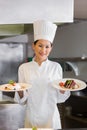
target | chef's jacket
[{"x": 42, "y": 97}]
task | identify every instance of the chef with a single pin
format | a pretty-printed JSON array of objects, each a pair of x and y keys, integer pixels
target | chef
[{"x": 42, "y": 98}]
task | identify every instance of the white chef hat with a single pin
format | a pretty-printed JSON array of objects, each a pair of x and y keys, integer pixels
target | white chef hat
[{"x": 44, "y": 30}]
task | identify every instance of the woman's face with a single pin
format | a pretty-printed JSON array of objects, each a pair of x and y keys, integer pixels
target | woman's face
[{"x": 42, "y": 49}]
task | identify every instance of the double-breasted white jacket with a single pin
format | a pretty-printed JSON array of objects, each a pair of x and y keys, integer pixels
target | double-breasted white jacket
[{"x": 42, "y": 97}]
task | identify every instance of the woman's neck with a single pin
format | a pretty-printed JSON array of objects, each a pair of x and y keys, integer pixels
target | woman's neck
[{"x": 39, "y": 61}]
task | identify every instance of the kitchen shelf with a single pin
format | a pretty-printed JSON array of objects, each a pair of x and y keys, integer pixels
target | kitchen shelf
[
  {"x": 80, "y": 119},
  {"x": 83, "y": 96},
  {"x": 73, "y": 59}
]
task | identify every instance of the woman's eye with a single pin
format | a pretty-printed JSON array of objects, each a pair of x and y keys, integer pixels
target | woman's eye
[
  {"x": 40, "y": 45},
  {"x": 43, "y": 46},
  {"x": 47, "y": 46}
]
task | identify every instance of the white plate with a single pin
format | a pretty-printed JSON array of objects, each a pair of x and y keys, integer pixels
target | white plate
[
  {"x": 37, "y": 129},
  {"x": 82, "y": 85},
  {"x": 23, "y": 86}
]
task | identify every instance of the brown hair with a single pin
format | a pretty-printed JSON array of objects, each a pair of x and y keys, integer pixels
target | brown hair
[{"x": 38, "y": 40}]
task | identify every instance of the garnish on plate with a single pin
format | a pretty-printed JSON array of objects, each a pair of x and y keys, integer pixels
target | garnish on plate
[
  {"x": 12, "y": 82},
  {"x": 34, "y": 128},
  {"x": 12, "y": 85},
  {"x": 69, "y": 84}
]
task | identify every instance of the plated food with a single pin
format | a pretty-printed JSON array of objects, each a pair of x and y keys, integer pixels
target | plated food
[
  {"x": 13, "y": 86},
  {"x": 69, "y": 84}
]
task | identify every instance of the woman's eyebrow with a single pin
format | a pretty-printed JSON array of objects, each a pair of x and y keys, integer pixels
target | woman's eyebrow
[{"x": 40, "y": 43}]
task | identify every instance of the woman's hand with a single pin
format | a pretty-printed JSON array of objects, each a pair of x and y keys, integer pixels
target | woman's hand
[
  {"x": 21, "y": 94},
  {"x": 62, "y": 91}
]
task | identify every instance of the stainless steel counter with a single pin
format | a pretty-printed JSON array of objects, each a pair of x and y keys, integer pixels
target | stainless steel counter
[{"x": 11, "y": 116}]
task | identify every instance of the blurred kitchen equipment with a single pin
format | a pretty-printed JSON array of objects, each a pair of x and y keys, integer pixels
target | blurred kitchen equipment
[
  {"x": 74, "y": 67},
  {"x": 68, "y": 110}
]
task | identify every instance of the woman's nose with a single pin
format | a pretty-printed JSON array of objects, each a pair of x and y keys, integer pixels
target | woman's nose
[{"x": 43, "y": 49}]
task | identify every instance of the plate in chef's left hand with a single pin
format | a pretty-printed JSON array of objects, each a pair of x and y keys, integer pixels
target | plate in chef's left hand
[
  {"x": 59, "y": 84},
  {"x": 13, "y": 88}
]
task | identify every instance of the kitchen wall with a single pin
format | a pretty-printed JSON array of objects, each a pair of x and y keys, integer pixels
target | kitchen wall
[{"x": 71, "y": 40}]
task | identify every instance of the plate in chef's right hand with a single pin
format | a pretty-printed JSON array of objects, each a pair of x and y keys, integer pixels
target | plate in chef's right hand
[
  {"x": 15, "y": 87},
  {"x": 69, "y": 84}
]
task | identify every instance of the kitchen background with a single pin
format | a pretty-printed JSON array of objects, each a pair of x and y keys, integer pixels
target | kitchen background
[{"x": 70, "y": 50}]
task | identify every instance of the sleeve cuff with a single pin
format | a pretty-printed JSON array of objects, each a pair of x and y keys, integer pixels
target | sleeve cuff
[{"x": 20, "y": 100}]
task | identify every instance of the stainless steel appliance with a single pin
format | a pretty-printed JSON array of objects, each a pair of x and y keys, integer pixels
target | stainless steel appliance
[{"x": 11, "y": 56}]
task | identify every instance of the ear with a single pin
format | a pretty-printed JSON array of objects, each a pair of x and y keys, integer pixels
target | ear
[{"x": 51, "y": 47}]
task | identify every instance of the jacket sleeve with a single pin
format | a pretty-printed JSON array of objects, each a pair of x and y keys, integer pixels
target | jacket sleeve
[
  {"x": 21, "y": 78},
  {"x": 25, "y": 93},
  {"x": 60, "y": 97},
  {"x": 20, "y": 100}
]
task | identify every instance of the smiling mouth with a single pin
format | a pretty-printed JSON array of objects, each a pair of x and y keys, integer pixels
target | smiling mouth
[{"x": 42, "y": 54}]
